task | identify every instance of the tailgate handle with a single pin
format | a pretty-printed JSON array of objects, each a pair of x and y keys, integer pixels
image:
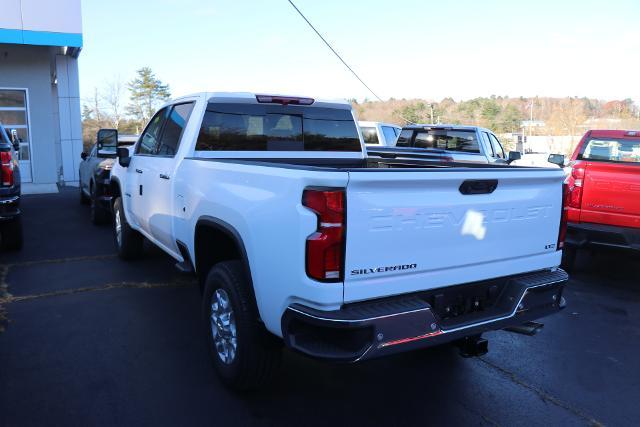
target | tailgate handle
[{"x": 479, "y": 186}]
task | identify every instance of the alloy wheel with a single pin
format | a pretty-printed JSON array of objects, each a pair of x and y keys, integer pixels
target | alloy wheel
[{"x": 223, "y": 326}]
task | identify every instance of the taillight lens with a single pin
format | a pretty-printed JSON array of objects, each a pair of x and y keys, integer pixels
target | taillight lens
[
  {"x": 325, "y": 247},
  {"x": 6, "y": 169},
  {"x": 574, "y": 183},
  {"x": 564, "y": 216}
]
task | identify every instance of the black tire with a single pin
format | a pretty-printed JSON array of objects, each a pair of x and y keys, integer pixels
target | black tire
[
  {"x": 258, "y": 353},
  {"x": 129, "y": 246},
  {"x": 12, "y": 238},
  {"x": 568, "y": 258},
  {"x": 98, "y": 214},
  {"x": 84, "y": 200}
]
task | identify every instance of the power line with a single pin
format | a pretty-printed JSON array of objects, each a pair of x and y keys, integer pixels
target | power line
[
  {"x": 340, "y": 58},
  {"x": 334, "y": 51}
]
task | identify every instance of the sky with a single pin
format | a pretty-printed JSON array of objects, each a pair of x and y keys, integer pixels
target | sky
[{"x": 400, "y": 48}]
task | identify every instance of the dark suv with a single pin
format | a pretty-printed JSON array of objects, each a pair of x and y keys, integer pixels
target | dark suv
[{"x": 10, "y": 221}]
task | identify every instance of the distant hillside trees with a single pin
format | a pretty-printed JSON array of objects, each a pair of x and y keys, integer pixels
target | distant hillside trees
[{"x": 561, "y": 116}]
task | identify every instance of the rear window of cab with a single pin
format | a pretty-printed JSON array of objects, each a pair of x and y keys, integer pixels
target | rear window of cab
[
  {"x": 249, "y": 127},
  {"x": 440, "y": 139},
  {"x": 611, "y": 150}
]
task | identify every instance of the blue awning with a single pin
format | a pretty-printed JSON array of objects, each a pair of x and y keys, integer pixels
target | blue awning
[{"x": 40, "y": 38}]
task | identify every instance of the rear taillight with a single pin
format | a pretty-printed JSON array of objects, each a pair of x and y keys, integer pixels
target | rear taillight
[
  {"x": 564, "y": 216},
  {"x": 325, "y": 247},
  {"x": 574, "y": 183},
  {"x": 6, "y": 169}
]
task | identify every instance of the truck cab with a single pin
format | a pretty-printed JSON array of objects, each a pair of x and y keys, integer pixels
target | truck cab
[
  {"x": 379, "y": 134},
  {"x": 445, "y": 142}
]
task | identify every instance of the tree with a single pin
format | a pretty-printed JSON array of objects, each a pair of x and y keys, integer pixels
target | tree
[
  {"x": 489, "y": 113},
  {"x": 567, "y": 115},
  {"x": 509, "y": 119},
  {"x": 113, "y": 98},
  {"x": 146, "y": 93}
]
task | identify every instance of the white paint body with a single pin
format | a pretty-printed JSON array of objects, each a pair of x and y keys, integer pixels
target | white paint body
[
  {"x": 383, "y": 132},
  {"x": 394, "y": 217}
]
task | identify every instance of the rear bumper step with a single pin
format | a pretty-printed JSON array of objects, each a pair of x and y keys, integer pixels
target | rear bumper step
[
  {"x": 584, "y": 234},
  {"x": 376, "y": 328}
]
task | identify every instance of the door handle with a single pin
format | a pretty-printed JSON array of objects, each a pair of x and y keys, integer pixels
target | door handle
[
  {"x": 164, "y": 176},
  {"x": 139, "y": 170}
]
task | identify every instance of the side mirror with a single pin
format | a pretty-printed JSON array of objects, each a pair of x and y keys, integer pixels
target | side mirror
[
  {"x": 84, "y": 155},
  {"x": 15, "y": 139},
  {"x": 556, "y": 159},
  {"x": 123, "y": 156},
  {"x": 107, "y": 142},
  {"x": 513, "y": 156}
]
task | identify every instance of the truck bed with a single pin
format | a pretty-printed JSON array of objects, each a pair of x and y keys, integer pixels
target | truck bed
[{"x": 346, "y": 165}]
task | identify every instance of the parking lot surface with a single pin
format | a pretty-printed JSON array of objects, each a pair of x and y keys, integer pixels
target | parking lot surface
[{"x": 91, "y": 340}]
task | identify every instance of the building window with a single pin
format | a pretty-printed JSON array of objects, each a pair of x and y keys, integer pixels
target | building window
[{"x": 14, "y": 115}]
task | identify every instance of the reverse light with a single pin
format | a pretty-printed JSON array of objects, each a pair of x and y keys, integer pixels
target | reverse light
[
  {"x": 284, "y": 100},
  {"x": 325, "y": 247},
  {"x": 6, "y": 169}
]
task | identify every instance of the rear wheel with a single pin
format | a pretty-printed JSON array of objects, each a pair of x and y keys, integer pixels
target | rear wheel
[
  {"x": 128, "y": 241},
  {"x": 11, "y": 238},
  {"x": 99, "y": 215},
  {"x": 243, "y": 352}
]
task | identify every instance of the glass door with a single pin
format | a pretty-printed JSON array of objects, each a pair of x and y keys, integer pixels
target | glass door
[{"x": 14, "y": 115}]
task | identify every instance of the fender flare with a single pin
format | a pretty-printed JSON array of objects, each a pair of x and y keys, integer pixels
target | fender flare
[{"x": 234, "y": 235}]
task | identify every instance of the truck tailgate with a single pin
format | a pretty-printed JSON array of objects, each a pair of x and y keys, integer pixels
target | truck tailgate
[{"x": 413, "y": 230}]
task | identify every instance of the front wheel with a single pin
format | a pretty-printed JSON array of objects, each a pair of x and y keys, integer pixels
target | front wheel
[
  {"x": 128, "y": 241},
  {"x": 244, "y": 353}
]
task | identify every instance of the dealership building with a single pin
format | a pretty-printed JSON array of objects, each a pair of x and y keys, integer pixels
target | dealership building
[{"x": 40, "y": 41}]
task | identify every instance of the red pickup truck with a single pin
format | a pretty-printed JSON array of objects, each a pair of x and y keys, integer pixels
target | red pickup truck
[{"x": 603, "y": 192}]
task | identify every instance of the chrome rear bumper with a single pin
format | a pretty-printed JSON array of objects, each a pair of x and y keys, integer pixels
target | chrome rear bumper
[{"x": 376, "y": 328}]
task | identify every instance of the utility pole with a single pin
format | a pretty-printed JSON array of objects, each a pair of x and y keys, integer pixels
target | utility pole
[
  {"x": 531, "y": 118},
  {"x": 431, "y": 105}
]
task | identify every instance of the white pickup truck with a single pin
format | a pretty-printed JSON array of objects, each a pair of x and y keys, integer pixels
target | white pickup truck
[{"x": 296, "y": 237}]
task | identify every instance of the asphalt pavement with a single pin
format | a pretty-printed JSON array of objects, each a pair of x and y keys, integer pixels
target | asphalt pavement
[{"x": 92, "y": 340}]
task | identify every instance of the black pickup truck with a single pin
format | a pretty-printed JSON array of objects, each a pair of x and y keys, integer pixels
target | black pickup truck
[
  {"x": 10, "y": 221},
  {"x": 95, "y": 177}
]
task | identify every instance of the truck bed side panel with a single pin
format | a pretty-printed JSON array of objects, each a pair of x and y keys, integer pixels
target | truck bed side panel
[{"x": 264, "y": 205}]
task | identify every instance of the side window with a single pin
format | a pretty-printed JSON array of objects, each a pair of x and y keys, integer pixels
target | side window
[
  {"x": 370, "y": 135},
  {"x": 92, "y": 153},
  {"x": 404, "y": 140},
  {"x": 487, "y": 144},
  {"x": 149, "y": 138},
  {"x": 389, "y": 134},
  {"x": 497, "y": 147},
  {"x": 175, "y": 124}
]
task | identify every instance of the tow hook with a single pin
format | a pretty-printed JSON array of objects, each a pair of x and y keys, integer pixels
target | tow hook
[{"x": 473, "y": 346}]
